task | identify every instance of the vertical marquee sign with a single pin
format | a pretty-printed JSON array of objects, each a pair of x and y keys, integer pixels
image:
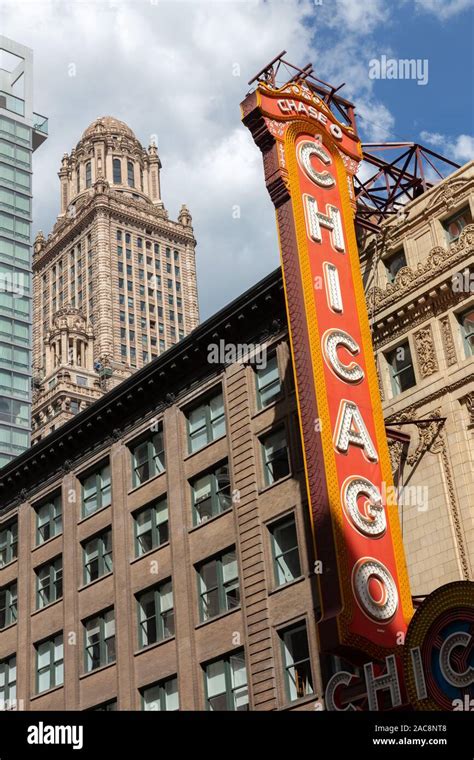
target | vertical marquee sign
[{"x": 309, "y": 162}]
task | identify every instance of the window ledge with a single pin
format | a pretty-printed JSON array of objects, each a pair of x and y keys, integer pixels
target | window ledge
[
  {"x": 45, "y": 543},
  {"x": 203, "y": 448},
  {"x": 153, "y": 646},
  {"x": 211, "y": 520},
  {"x": 97, "y": 512},
  {"x": 10, "y": 625},
  {"x": 46, "y": 691},
  {"x": 297, "y": 702},
  {"x": 9, "y": 564},
  {"x": 217, "y": 617},
  {"x": 95, "y": 581},
  {"x": 276, "y": 589},
  {"x": 145, "y": 483},
  {"x": 277, "y": 400},
  {"x": 97, "y": 670},
  {"x": 47, "y": 606},
  {"x": 276, "y": 483},
  {"x": 149, "y": 552}
]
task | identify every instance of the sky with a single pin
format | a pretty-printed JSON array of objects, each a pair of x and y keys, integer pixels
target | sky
[{"x": 176, "y": 72}]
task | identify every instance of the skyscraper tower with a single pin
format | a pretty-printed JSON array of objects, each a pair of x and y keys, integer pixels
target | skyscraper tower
[
  {"x": 21, "y": 132},
  {"x": 114, "y": 282}
]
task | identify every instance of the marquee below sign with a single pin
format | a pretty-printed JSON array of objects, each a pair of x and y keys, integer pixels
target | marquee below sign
[{"x": 309, "y": 161}]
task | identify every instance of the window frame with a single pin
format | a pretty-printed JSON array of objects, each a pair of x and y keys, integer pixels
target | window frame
[
  {"x": 103, "y": 641},
  {"x": 54, "y": 518},
  {"x": 215, "y": 492},
  {"x": 221, "y": 586},
  {"x": 51, "y": 667},
  {"x": 259, "y": 390},
  {"x": 397, "y": 390},
  {"x": 209, "y": 423},
  {"x": 158, "y": 614},
  {"x": 8, "y": 684},
  {"x": 102, "y": 555},
  {"x": 54, "y": 582},
  {"x": 295, "y": 628},
  {"x": 468, "y": 347},
  {"x": 98, "y": 493},
  {"x": 265, "y": 461},
  {"x": 153, "y": 456},
  {"x": 10, "y": 544},
  {"x": 11, "y": 604},
  {"x": 153, "y": 507},
  {"x": 229, "y": 689},
  {"x": 273, "y": 527},
  {"x": 161, "y": 685}
]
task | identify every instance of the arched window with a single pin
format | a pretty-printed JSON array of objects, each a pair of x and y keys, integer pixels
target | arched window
[
  {"x": 130, "y": 177},
  {"x": 78, "y": 180},
  {"x": 141, "y": 180},
  {"x": 117, "y": 171},
  {"x": 88, "y": 174}
]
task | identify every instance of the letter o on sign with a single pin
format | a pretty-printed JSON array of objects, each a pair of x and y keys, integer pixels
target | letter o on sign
[{"x": 374, "y": 589}]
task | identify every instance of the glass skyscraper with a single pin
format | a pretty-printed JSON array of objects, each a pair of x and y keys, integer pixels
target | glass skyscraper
[{"x": 21, "y": 132}]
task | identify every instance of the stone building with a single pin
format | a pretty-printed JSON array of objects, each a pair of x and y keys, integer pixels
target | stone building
[
  {"x": 115, "y": 282},
  {"x": 420, "y": 295}
]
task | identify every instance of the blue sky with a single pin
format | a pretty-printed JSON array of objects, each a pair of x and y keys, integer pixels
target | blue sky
[{"x": 167, "y": 68}]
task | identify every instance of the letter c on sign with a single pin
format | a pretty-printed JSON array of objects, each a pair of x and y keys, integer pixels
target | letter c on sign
[
  {"x": 332, "y": 339},
  {"x": 307, "y": 149}
]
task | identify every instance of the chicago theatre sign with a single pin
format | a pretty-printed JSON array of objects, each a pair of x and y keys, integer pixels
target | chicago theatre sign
[{"x": 309, "y": 161}]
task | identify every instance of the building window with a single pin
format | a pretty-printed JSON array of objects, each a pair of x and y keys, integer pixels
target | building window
[
  {"x": 206, "y": 423},
  {"x": 8, "y": 543},
  {"x": 455, "y": 224},
  {"x": 100, "y": 640},
  {"x": 49, "y": 583},
  {"x": 211, "y": 494},
  {"x": 88, "y": 174},
  {"x": 286, "y": 559},
  {"x": 268, "y": 382},
  {"x": 8, "y": 681},
  {"x": 297, "y": 663},
  {"x": 148, "y": 458},
  {"x": 130, "y": 177},
  {"x": 117, "y": 166},
  {"x": 8, "y": 605},
  {"x": 218, "y": 585},
  {"x": 96, "y": 491},
  {"x": 155, "y": 614},
  {"x": 151, "y": 527},
  {"x": 49, "y": 664},
  {"x": 81, "y": 380},
  {"x": 276, "y": 462},
  {"x": 226, "y": 684},
  {"x": 394, "y": 263},
  {"x": 97, "y": 556},
  {"x": 466, "y": 320},
  {"x": 110, "y": 706},
  {"x": 161, "y": 696},
  {"x": 401, "y": 368}
]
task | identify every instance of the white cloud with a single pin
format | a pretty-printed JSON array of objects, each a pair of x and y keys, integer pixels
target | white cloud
[
  {"x": 443, "y": 9},
  {"x": 459, "y": 149}
]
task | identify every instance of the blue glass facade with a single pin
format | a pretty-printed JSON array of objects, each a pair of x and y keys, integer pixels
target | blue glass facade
[{"x": 18, "y": 138}]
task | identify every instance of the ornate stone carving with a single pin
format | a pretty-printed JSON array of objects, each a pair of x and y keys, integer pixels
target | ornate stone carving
[
  {"x": 468, "y": 401},
  {"x": 448, "y": 342},
  {"x": 395, "y": 449},
  {"x": 425, "y": 351},
  {"x": 407, "y": 279}
]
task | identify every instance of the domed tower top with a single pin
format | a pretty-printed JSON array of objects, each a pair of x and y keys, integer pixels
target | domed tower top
[{"x": 109, "y": 150}]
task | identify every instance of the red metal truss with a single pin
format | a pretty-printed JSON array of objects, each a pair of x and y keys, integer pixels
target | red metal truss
[{"x": 391, "y": 174}]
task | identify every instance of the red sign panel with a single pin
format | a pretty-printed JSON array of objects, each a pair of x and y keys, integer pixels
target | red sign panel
[{"x": 309, "y": 161}]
